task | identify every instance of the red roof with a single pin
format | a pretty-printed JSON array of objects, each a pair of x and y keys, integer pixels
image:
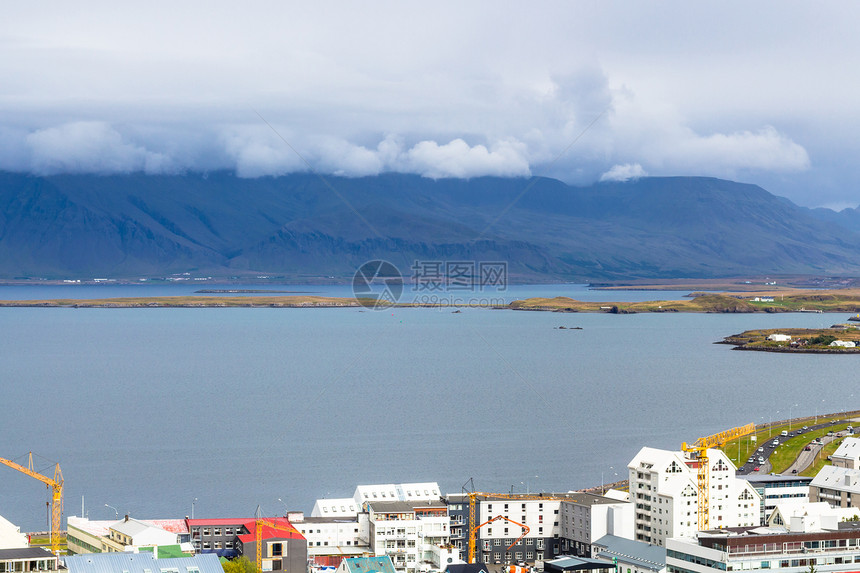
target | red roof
[{"x": 283, "y": 530}]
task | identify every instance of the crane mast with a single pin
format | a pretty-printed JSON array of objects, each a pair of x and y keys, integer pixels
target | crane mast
[{"x": 55, "y": 486}]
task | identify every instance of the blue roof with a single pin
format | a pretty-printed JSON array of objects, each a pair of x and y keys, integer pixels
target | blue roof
[
  {"x": 366, "y": 564},
  {"x": 141, "y": 563}
]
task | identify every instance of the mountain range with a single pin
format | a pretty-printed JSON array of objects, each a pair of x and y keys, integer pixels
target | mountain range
[{"x": 304, "y": 227}]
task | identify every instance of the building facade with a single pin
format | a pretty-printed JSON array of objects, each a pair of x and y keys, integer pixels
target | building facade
[
  {"x": 777, "y": 489},
  {"x": 838, "y": 486},
  {"x": 664, "y": 489}
]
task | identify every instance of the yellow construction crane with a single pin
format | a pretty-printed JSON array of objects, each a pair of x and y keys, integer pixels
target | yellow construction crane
[
  {"x": 258, "y": 526},
  {"x": 700, "y": 448},
  {"x": 55, "y": 486},
  {"x": 473, "y": 496}
]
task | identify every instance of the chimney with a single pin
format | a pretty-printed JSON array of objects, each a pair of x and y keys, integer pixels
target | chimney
[{"x": 126, "y": 517}]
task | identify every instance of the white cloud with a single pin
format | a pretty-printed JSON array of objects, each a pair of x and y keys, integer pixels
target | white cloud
[
  {"x": 624, "y": 172},
  {"x": 457, "y": 159},
  {"x": 90, "y": 147}
]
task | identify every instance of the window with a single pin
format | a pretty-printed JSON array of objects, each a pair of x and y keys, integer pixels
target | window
[
  {"x": 228, "y": 545},
  {"x": 497, "y": 542},
  {"x": 207, "y": 531},
  {"x": 228, "y": 531},
  {"x": 216, "y": 531},
  {"x": 217, "y": 545},
  {"x": 277, "y": 549}
]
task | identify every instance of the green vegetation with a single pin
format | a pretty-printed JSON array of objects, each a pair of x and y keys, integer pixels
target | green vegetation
[
  {"x": 741, "y": 449},
  {"x": 802, "y": 339},
  {"x": 239, "y": 565},
  {"x": 821, "y": 459},
  {"x": 45, "y": 541}
]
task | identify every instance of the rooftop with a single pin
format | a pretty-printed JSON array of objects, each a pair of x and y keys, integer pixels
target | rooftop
[{"x": 639, "y": 553}]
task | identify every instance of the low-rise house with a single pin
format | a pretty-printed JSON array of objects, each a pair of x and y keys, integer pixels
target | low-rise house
[
  {"x": 779, "y": 337},
  {"x": 843, "y": 343},
  {"x": 27, "y": 559}
]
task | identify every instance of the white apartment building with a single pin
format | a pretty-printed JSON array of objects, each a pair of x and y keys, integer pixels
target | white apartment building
[
  {"x": 333, "y": 536},
  {"x": 408, "y": 532},
  {"x": 350, "y": 506},
  {"x": 664, "y": 491}
]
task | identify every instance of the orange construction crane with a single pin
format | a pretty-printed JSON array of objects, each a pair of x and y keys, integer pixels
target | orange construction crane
[
  {"x": 55, "y": 486},
  {"x": 261, "y": 522},
  {"x": 492, "y": 519},
  {"x": 700, "y": 447},
  {"x": 473, "y": 496}
]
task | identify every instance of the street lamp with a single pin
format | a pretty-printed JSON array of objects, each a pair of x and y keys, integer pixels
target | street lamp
[
  {"x": 116, "y": 513},
  {"x": 286, "y": 510},
  {"x": 789, "y": 416},
  {"x": 193, "y": 501}
]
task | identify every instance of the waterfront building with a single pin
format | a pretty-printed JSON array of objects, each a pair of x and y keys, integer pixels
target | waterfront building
[
  {"x": 351, "y": 506},
  {"x": 838, "y": 486},
  {"x": 127, "y": 534},
  {"x": 823, "y": 543},
  {"x": 775, "y": 489},
  {"x": 558, "y": 523},
  {"x": 664, "y": 489}
]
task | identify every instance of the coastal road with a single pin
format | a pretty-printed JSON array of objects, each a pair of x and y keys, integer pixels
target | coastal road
[{"x": 804, "y": 460}]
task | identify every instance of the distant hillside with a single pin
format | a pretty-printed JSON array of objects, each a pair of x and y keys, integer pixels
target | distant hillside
[{"x": 302, "y": 227}]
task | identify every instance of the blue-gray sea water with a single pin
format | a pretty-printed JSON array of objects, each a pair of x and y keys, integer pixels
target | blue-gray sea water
[{"x": 148, "y": 409}]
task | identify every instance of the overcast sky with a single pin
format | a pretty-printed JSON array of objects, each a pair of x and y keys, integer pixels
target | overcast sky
[{"x": 767, "y": 93}]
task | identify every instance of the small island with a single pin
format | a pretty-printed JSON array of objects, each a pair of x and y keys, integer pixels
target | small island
[{"x": 838, "y": 339}]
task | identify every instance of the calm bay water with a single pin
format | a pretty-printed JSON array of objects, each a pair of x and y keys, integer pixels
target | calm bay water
[{"x": 147, "y": 409}]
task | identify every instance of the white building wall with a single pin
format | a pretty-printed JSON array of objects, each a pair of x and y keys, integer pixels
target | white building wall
[
  {"x": 11, "y": 536},
  {"x": 664, "y": 491}
]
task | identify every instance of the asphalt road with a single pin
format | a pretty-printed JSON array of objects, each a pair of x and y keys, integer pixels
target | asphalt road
[{"x": 803, "y": 461}]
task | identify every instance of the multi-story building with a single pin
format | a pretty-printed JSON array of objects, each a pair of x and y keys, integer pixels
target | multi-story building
[
  {"x": 555, "y": 523},
  {"x": 821, "y": 543},
  {"x": 350, "y": 506},
  {"x": 847, "y": 455},
  {"x": 838, "y": 486},
  {"x": 407, "y": 531},
  {"x": 11, "y": 536},
  {"x": 331, "y": 539},
  {"x": 776, "y": 489},
  {"x": 664, "y": 489}
]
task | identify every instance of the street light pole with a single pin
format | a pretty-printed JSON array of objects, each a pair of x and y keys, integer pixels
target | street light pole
[
  {"x": 193, "y": 501},
  {"x": 789, "y": 416},
  {"x": 116, "y": 513},
  {"x": 286, "y": 511}
]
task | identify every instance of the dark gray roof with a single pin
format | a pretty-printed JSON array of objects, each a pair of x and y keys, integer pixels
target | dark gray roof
[
  {"x": 571, "y": 563},
  {"x": 638, "y": 553},
  {"x": 466, "y": 568},
  {"x": 25, "y": 553},
  {"x": 342, "y": 519},
  {"x": 390, "y": 506}
]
